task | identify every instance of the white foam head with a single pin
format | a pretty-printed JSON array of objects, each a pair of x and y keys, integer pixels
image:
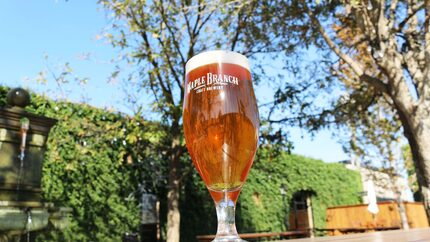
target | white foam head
[{"x": 217, "y": 56}]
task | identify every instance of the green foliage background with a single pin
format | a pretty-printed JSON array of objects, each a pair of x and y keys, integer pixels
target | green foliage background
[
  {"x": 98, "y": 163},
  {"x": 331, "y": 184},
  {"x": 261, "y": 207}
]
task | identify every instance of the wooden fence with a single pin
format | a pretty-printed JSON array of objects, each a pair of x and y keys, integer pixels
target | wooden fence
[{"x": 356, "y": 218}]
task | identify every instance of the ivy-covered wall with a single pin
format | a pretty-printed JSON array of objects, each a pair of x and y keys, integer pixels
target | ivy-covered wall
[
  {"x": 261, "y": 201},
  {"x": 261, "y": 207},
  {"x": 98, "y": 162}
]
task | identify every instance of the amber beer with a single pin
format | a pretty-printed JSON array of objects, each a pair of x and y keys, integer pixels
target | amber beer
[{"x": 220, "y": 121}]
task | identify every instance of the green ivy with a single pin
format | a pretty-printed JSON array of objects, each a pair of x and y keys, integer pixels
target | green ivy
[
  {"x": 261, "y": 207},
  {"x": 330, "y": 183},
  {"x": 99, "y": 162}
]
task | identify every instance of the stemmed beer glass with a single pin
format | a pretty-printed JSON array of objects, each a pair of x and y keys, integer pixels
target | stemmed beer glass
[{"x": 221, "y": 124}]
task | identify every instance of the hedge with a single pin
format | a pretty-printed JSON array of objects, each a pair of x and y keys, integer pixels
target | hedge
[
  {"x": 96, "y": 163},
  {"x": 99, "y": 162}
]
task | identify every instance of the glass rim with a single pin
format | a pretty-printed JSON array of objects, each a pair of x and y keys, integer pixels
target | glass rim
[{"x": 216, "y": 56}]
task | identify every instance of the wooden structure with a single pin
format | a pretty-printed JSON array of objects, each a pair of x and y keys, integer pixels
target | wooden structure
[
  {"x": 356, "y": 218},
  {"x": 301, "y": 215},
  {"x": 298, "y": 219}
]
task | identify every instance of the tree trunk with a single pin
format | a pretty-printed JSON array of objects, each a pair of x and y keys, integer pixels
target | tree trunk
[
  {"x": 402, "y": 209},
  {"x": 397, "y": 189},
  {"x": 421, "y": 153},
  {"x": 400, "y": 204},
  {"x": 173, "y": 215},
  {"x": 415, "y": 118},
  {"x": 416, "y": 127},
  {"x": 174, "y": 188}
]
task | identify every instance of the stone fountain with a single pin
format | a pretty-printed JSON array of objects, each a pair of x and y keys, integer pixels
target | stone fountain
[{"x": 23, "y": 139}]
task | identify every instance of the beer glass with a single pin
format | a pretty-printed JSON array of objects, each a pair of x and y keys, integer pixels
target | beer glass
[{"x": 221, "y": 124}]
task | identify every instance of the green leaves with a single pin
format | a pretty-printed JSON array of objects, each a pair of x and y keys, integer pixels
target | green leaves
[
  {"x": 261, "y": 206},
  {"x": 97, "y": 163}
]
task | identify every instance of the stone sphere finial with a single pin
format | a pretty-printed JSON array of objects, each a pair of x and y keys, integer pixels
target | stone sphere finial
[{"x": 18, "y": 97}]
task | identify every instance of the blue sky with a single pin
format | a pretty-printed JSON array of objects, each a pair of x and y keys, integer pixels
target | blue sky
[
  {"x": 65, "y": 32},
  {"x": 69, "y": 32}
]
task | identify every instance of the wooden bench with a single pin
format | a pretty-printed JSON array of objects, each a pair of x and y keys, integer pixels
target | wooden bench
[{"x": 256, "y": 236}]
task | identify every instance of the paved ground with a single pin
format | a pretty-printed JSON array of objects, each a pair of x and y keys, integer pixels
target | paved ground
[{"x": 413, "y": 235}]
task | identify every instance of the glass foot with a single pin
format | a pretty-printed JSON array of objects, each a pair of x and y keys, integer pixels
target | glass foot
[{"x": 227, "y": 239}]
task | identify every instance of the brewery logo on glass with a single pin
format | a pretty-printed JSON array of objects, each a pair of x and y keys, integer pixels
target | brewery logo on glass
[{"x": 212, "y": 81}]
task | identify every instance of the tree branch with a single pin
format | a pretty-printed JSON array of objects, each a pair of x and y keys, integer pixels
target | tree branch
[
  {"x": 142, "y": 31},
  {"x": 425, "y": 89},
  {"x": 172, "y": 34},
  {"x": 192, "y": 32},
  {"x": 393, "y": 7},
  {"x": 199, "y": 12},
  {"x": 187, "y": 21},
  {"x": 414, "y": 70},
  {"x": 374, "y": 82},
  {"x": 240, "y": 24},
  {"x": 203, "y": 22},
  {"x": 152, "y": 86},
  {"x": 412, "y": 49},
  {"x": 359, "y": 40},
  {"x": 378, "y": 84},
  {"x": 368, "y": 26},
  {"x": 167, "y": 52},
  {"x": 196, "y": 30},
  {"x": 410, "y": 15},
  {"x": 238, "y": 30}
]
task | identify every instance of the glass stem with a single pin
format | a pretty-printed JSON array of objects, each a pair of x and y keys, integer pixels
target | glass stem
[{"x": 225, "y": 210}]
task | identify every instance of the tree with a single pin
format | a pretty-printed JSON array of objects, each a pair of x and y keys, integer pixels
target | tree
[
  {"x": 159, "y": 37},
  {"x": 396, "y": 36},
  {"x": 376, "y": 141}
]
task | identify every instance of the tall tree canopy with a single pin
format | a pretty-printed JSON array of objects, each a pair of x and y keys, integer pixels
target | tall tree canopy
[{"x": 371, "y": 54}]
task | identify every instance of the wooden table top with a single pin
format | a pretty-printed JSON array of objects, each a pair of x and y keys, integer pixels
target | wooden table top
[
  {"x": 413, "y": 235},
  {"x": 256, "y": 235}
]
